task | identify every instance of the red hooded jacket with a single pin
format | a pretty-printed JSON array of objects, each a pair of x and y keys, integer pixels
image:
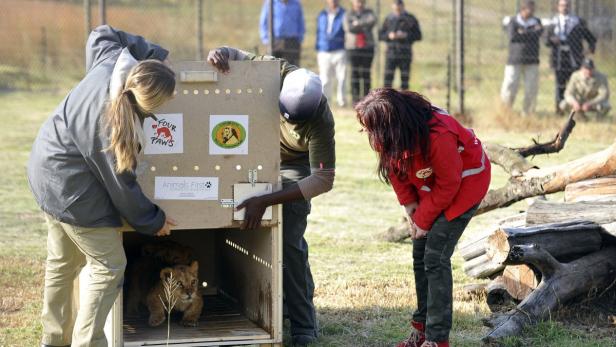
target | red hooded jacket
[{"x": 454, "y": 178}]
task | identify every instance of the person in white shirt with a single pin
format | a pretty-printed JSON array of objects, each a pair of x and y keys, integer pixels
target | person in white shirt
[{"x": 524, "y": 32}]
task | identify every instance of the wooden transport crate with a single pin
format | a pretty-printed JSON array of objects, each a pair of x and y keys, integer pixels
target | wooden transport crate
[{"x": 196, "y": 179}]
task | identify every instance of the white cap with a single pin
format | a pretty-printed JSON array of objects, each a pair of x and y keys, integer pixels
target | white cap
[{"x": 300, "y": 95}]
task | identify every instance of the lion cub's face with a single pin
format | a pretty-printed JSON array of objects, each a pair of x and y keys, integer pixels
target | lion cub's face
[{"x": 187, "y": 279}]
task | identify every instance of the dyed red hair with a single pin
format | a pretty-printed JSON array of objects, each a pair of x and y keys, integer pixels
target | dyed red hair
[{"x": 397, "y": 126}]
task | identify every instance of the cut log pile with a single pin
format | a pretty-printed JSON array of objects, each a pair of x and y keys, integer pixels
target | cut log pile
[{"x": 542, "y": 259}]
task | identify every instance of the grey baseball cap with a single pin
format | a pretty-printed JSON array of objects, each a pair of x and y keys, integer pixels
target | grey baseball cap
[{"x": 300, "y": 95}]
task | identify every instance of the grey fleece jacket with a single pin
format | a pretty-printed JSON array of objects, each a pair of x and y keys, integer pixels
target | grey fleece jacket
[{"x": 70, "y": 175}]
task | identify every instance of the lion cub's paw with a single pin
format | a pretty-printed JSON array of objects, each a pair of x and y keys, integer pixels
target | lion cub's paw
[{"x": 155, "y": 321}]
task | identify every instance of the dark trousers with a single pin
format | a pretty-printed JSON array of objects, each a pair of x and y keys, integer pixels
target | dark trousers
[
  {"x": 361, "y": 63},
  {"x": 393, "y": 62},
  {"x": 562, "y": 78},
  {"x": 288, "y": 49},
  {"x": 433, "y": 279},
  {"x": 298, "y": 285}
]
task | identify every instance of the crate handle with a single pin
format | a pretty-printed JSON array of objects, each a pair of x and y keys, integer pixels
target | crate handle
[{"x": 198, "y": 76}]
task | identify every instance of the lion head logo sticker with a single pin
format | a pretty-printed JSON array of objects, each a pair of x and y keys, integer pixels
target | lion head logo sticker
[
  {"x": 229, "y": 134},
  {"x": 424, "y": 173}
]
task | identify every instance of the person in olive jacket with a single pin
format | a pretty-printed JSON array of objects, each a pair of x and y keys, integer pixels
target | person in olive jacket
[
  {"x": 400, "y": 30},
  {"x": 359, "y": 43},
  {"x": 82, "y": 174}
]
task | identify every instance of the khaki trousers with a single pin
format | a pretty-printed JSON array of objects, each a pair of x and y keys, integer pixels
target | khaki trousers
[
  {"x": 511, "y": 84},
  {"x": 69, "y": 248}
]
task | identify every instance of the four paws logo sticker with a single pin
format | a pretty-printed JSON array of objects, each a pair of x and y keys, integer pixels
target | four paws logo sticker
[
  {"x": 229, "y": 134},
  {"x": 164, "y": 135}
]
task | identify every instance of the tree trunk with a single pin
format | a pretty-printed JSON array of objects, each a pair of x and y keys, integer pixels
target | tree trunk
[
  {"x": 603, "y": 213},
  {"x": 596, "y": 190},
  {"x": 560, "y": 283},
  {"x": 550, "y": 180},
  {"x": 562, "y": 240}
]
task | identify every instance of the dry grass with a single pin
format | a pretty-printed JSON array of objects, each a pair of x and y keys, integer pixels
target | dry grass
[{"x": 364, "y": 287}]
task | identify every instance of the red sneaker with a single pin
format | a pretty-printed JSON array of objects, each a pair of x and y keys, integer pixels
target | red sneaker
[
  {"x": 435, "y": 344},
  {"x": 417, "y": 336}
]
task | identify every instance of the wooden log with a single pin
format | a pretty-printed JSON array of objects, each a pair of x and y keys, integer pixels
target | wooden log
[
  {"x": 551, "y": 180},
  {"x": 510, "y": 160},
  {"x": 542, "y": 212},
  {"x": 475, "y": 262},
  {"x": 603, "y": 213},
  {"x": 483, "y": 268},
  {"x": 498, "y": 297},
  {"x": 598, "y": 189},
  {"x": 560, "y": 283},
  {"x": 562, "y": 240},
  {"x": 519, "y": 281},
  {"x": 473, "y": 248}
]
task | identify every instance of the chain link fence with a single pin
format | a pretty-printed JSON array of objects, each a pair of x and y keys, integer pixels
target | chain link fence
[{"x": 42, "y": 41}]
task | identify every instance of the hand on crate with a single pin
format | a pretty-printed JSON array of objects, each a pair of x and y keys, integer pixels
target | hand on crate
[
  {"x": 219, "y": 58},
  {"x": 255, "y": 208},
  {"x": 166, "y": 229}
]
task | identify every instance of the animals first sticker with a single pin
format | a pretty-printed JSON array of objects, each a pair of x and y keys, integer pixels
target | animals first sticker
[
  {"x": 228, "y": 135},
  {"x": 164, "y": 135}
]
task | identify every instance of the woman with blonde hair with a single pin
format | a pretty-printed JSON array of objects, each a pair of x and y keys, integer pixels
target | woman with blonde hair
[{"x": 82, "y": 174}]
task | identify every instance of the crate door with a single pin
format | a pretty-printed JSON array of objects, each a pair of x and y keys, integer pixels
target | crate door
[{"x": 219, "y": 130}]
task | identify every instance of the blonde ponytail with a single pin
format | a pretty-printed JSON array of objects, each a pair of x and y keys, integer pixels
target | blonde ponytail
[{"x": 148, "y": 85}]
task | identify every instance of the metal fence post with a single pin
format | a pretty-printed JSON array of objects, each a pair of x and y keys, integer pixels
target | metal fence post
[
  {"x": 271, "y": 26},
  {"x": 102, "y": 8},
  {"x": 87, "y": 11},
  {"x": 199, "y": 29},
  {"x": 377, "y": 44},
  {"x": 460, "y": 51}
]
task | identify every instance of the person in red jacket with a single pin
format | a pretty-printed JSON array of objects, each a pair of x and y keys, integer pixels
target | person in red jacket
[{"x": 440, "y": 173}]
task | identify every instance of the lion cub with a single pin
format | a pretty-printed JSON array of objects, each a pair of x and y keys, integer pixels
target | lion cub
[
  {"x": 144, "y": 272},
  {"x": 189, "y": 301}
]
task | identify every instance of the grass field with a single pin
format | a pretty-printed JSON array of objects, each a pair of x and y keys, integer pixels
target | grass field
[{"x": 364, "y": 287}]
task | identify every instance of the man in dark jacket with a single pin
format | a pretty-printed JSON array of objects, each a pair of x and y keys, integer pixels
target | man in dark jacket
[
  {"x": 566, "y": 37},
  {"x": 400, "y": 30},
  {"x": 524, "y": 32}
]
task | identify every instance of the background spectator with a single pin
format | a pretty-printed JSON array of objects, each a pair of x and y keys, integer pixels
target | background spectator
[
  {"x": 587, "y": 91},
  {"x": 289, "y": 29},
  {"x": 524, "y": 32},
  {"x": 400, "y": 30},
  {"x": 566, "y": 37},
  {"x": 331, "y": 56},
  {"x": 359, "y": 42}
]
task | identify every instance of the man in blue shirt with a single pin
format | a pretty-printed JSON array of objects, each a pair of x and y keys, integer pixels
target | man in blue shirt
[
  {"x": 331, "y": 55},
  {"x": 289, "y": 29}
]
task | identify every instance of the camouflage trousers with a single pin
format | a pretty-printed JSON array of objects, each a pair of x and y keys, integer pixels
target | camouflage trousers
[{"x": 433, "y": 279}]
